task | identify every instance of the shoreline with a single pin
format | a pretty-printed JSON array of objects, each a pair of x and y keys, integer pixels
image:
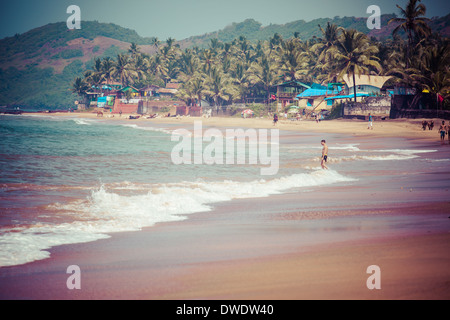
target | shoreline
[
  {"x": 225, "y": 254},
  {"x": 400, "y": 128}
]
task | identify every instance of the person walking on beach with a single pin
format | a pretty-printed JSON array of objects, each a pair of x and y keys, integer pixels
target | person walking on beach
[
  {"x": 275, "y": 119},
  {"x": 324, "y": 154},
  {"x": 370, "y": 122},
  {"x": 424, "y": 125},
  {"x": 443, "y": 130}
]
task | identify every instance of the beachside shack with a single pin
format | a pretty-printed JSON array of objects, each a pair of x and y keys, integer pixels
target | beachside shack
[
  {"x": 288, "y": 91},
  {"x": 365, "y": 84},
  {"x": 149, "y": 92},
  {"x": 316, "y": 96}
]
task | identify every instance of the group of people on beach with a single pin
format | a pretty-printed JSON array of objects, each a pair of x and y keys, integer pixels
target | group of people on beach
[
  {"x": 426, "y": 124},
  {"x": 444, "y": 130}
]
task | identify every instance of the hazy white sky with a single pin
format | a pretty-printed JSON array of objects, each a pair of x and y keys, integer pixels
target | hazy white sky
[{"x": 180, "y": 19}]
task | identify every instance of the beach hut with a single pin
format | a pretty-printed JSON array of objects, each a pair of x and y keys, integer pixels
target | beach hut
[
  {"x": 287, "y": 92},
  {"x": 365, "y": 84}
]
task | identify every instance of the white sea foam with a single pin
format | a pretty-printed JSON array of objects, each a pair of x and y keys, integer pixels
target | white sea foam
[
  {"x": 108, "y": 210},
  {"x": 82, "y": 122},
  {"x": 135, "y": 126}
]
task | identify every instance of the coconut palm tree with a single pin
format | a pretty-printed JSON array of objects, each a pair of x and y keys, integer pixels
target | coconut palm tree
[
  {"x": 330, "y": 37},
  {"x": 413, "y": 22},
  {"x": 187, "y": 65},
  {"x": 134, "y": 50},
  {"x": 263, "y": 72},
  {"x": 94, "y": 79},
  {"x": 107, "y": 69},
  {"x": 158, "y": 66},
  {"x": 156, "y": 43},
  {"x": 241, "y": 79},
  {"x": 80, "y": 87},
  {"x": 124, "y": 70},
  {"x": 198, "y": 87},
  {"x": 354, "y": 54},
  {"x": 141, "y": 66},
  {"x": 218, "y": 86},
  {"x": 290, "y": 59},
  {"x": 431, "y": 70}
]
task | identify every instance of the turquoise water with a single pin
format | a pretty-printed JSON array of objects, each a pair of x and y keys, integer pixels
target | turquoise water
[{"x": 68, "y": 180}]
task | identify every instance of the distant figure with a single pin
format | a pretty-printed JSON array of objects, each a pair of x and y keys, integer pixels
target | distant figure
[
  {"x": 431, "y": 125},
  {"x": 443, "y": 130},
  {"x": 120, "y": 113},
  {"x": 275, "y": 119},
  {"x": 370, "y": 122},
  {"x": 324, "y": 154},
  {"x": 424, "y": 125}
]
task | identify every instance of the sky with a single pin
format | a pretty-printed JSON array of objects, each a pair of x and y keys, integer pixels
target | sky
[{"x": 181, "y": 19}]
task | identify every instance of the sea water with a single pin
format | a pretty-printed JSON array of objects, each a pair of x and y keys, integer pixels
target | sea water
[{"x": 68, "y": 180}]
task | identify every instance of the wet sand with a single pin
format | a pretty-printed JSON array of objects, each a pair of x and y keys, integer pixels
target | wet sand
[{"x": 269, "y": 248}]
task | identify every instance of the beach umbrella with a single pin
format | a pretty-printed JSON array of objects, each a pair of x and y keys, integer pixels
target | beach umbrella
[{"x": 248, "y": 111}]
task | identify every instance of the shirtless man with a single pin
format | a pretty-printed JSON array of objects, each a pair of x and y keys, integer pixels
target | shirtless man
[
  {"x": 324, "y": 154},
  {"x": 443, "y": 131}
]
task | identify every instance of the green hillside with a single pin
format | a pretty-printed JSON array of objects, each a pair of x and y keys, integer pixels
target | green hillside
[{"x": 38, "y": 67}]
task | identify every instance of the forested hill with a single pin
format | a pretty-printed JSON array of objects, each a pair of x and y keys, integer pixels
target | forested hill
[
  {"x": 254, "y": 31},
  {"x": 37, "y": 68}
]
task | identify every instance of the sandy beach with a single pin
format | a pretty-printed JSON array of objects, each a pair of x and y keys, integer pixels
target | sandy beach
[
  {"x": 271, "y": 248},
  {"x": 407, "y": 128}
]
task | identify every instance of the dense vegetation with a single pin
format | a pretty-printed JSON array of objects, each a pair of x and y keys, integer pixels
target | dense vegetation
[
  {"x": 236, "y": 64},
  {"x": 242, "y": 71}
]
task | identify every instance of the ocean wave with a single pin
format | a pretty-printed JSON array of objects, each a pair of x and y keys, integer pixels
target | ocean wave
[
  {"x": 108, "y": 209},
  {"x": 82, "y": 122},
  {"x": 135, "y": 126},
  {"x": 389, "y": 157}
]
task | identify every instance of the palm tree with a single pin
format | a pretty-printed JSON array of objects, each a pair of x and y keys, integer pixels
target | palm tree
[
  {"x": 412, "y": 22},
  {"x": 107, "y": 69},
  {"x": 198, "y": 86},
  {"x": 217, "y": 86},
  {"x": 263, "y": 72},
  {"x": 290, "y": 59},
  {"x": 94, "y": 79},
  {"x": 241, "y": 79},
  {"x": 156, "y": 43},
  {"x": 80, "y": 87},
  {"x": 134, "y": 50},
  {"x": 141, "y": 66},
  {"x": 123, "y": 70},
  {"x": 158, "y": 66},
  {"x": 208, "y": 60},
  {"x": 188, "y": 65},
  {"x": 431, "y": 71},
  {"x": 354, "y": 54},
  {"x": 330, "y": 37}
]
